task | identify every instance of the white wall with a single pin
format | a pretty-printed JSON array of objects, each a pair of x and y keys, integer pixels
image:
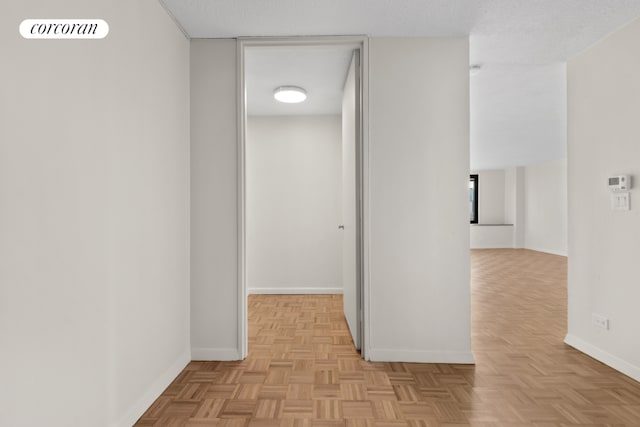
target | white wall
[
  {"x": 214, "y": 225},
  {"x": 514, "y": 208},
  {"x": 491, "y": 236},
  {"x": 533, "y": 199},
  {"x": 510, "y": 195},
  {"x": 491, "y": 210},
  {"x": 420, "y": 303},
  {"x": 603, "y": 135},
  {"x": 349, "y": 213},
  {"x": 545, "y": 204},
  {"x": 94, "y": 202},
  {"x": 293, "y": 193},
  {"x": 492, "y": 200},
  {"x": 419, "y": 255},
  {"x": 491, "y": 196}
]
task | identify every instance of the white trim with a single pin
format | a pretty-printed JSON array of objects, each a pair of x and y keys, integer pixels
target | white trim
[
  {"x": 286, "y": 290},
  {"x": 243, "y": 327},
  {"x": 603, "y": 356},
  {"x": 357, "y": 42},
  {"x": 365, "y": 347},
  {"x": 417, "y": 356},
  {"x": 221, "y": 354},
  {"x": 365, "y": 297},
  {"x": 547, "y": 251},
  {"x": 153, "y": 392}
]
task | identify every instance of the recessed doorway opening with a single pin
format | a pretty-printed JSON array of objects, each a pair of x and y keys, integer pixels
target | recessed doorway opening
[{"x": 302, "y": 173}]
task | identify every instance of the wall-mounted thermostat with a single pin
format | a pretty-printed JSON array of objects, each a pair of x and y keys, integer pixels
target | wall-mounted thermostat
[{"x": 619, "y": 183}]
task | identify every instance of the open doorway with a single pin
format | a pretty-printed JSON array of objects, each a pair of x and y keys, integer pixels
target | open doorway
[{"x": 302, "y": 174}]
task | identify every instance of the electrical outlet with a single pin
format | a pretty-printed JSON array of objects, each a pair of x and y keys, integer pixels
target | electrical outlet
[{"x": 600, "y": 321}]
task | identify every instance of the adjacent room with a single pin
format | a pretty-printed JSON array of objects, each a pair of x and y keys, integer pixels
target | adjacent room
[
  {"x": 518, "y": 150},
  {"x": 301, "y": 166}
]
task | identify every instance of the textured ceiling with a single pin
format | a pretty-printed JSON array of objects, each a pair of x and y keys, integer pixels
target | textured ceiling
[{"x": 518, "y": 100}]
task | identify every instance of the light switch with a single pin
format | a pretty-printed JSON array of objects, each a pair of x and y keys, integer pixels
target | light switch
[{"x": 620, "y": 201}]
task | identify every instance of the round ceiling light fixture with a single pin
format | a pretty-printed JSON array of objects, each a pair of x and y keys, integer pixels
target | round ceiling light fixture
[{"x": 290, "y": 94}]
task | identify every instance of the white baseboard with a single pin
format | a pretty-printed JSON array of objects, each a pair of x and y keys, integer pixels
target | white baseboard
[
  {"x": 604, "y": 357},
  {"x": 547, "y": 251},
  {"x": 285, "y": 290},
  {"x": 153, "y": 392},
  {"x": 416, "y": 356},
  {"x": 221, "y": 354}
]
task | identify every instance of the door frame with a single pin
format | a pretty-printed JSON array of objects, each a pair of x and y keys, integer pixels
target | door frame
[{"x": 360, "y": 43}]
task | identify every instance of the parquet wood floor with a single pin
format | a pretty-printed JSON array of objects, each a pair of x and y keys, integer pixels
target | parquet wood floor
[{"x": 303, "y": 370}]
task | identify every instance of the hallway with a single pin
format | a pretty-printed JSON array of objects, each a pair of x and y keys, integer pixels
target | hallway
[{"x": 302, "y": 369}]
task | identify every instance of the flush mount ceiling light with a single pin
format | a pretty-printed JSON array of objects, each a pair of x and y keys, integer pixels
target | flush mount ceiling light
[{"x": 290, "y": 94}]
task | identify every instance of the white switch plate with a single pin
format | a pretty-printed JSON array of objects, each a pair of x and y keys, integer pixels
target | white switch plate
[
  {"x": 620, "y": 201},
  {"x": 600, "y": 321}
]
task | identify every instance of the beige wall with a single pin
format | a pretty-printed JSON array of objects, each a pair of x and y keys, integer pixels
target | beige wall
[
  {"x": 419, "y": 255},
  {"x": 603, "y": 139},
  {"x": 514, "y": 209},
  {"x": 533, "y": 199},
  {"x": 214, "y": 225},
  {"x": 419, "y": 115},
  {"x": 294, "y": 174},
  {"x": 491, "y": 196},
  {"x": 545, "y": 205},
  {"x": 349, "y": 213},
  {"x": 94, "y": 202}
]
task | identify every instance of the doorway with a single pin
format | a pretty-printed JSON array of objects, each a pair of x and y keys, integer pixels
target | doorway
[{"x": 353, "y": 215}]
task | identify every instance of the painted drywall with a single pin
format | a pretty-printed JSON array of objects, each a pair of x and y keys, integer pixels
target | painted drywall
[
  {"x": 348, "y": 242},
  {"x": 491, "y": 196},
  {"x": 491, "y": 236},
  {"x": 533, "y": 199},
  {"x": 510, "y": 196},
  {"x": 491, "y": 210},
  {"x": 603, "y": 135},
  {"x": 94, "y": 195},
  {"x": 214, "y": 217},
  {"x": 420, "y": 302},
  {"x": 514, "y": 208},
  {"x": 419, "y": 255},
  {"x": 293, "y": 196},
  {"x": 545, "y": 207}
]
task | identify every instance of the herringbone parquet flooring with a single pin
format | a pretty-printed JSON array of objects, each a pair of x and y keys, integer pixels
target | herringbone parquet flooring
[{"x": 302, "y": 369}]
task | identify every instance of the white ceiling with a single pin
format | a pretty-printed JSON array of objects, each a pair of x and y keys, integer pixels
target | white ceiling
[
  {"x": 518, "y": 100},
  {"x": 321, "y": 71}
]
